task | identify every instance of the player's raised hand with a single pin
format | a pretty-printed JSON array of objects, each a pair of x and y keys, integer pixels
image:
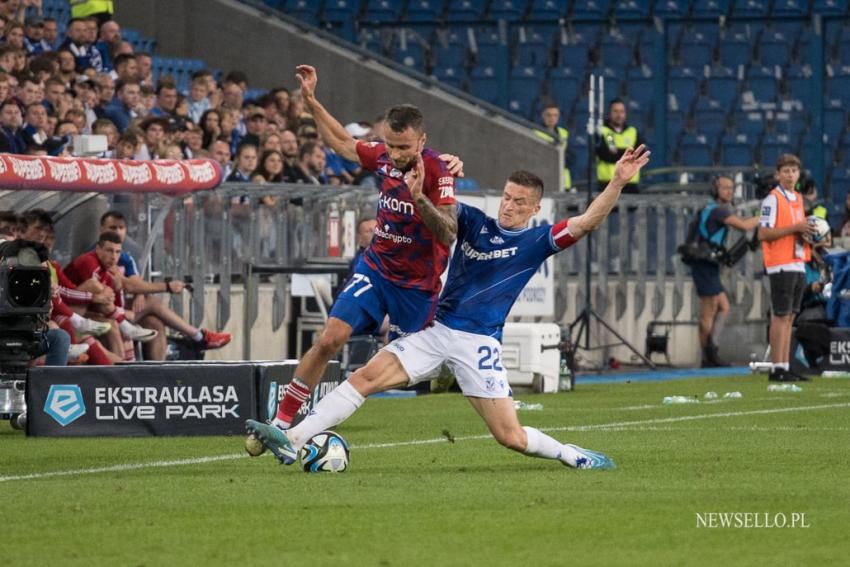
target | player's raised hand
[
  {"x": 633, "y": 159},
  {"x": 416, "y": 179},
  {"x": 307, "y": 78},
  {"x": 454, "y": 164}
]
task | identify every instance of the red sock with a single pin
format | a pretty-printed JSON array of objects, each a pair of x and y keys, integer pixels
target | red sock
[
  {"x": 97, "y": 356},
  {"x": 296, "y": 394}
]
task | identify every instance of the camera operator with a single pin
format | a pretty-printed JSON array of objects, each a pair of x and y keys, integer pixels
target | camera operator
[
  {"x": 713, "y": 222},
  {"x": 56, "y": 341}
]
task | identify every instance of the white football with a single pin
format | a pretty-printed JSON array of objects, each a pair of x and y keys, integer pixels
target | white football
[
  {"x": 325, "y": 452},
  {"x": 822, "y": 229}
]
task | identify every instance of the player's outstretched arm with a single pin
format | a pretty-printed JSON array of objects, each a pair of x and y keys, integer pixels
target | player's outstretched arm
[
  {"x": 442, "y": 220},
  {"x": 329, "y": 127},
  {"x": 598, "y": 210}
]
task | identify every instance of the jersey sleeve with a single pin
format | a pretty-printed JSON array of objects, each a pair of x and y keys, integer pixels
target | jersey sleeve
[
  {"x": 129, "y": 265},
  {"x": 369, "y": 152},
  {"x": 440, "y": 183},
  {"x": 560, "y": 236},
  {"x": 768, "y": 212}
]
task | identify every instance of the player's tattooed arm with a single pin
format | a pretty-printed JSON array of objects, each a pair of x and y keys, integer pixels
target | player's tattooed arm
[{"x": 442, "y": 220}]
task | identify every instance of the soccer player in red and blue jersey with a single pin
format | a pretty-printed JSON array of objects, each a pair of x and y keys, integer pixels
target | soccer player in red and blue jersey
[{"x": 399, "y": 273}]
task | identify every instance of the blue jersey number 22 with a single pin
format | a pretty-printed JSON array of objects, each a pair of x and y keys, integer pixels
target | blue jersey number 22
[{"x": 488, "y": 354}]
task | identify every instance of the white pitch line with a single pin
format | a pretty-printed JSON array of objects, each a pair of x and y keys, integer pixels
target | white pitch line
[{"x": 597, "y": 426}]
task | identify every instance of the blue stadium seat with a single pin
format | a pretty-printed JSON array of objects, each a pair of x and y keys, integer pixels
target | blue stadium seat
[
  {"x": 466, "y": 10},
  {"x": 491, "y": 50},
  {"x": 574, "y": 54},
  {"x": 523, "y": 90},
  {"x": 834, "y": 120},
  {"x": 564, "y": 87},
  {"x": 305, "y": 10},
  {"x": 590, "y": 9},
  {"x": 578, "y": 152},
  {"x": 838, "y": 87},
  {"x": 382, "y": 11},
  {"x": 836, "y": 7},
  {"x": 839, "y": 185},
  {"x": 340, "y": 10},
  {"x": 750, "y": 123},
  {"x": 774, "y": 48},
  {"x": 371, "y": 39},
  {"x": 423, "y": 10},
  {"x": 631, "y": 9},
  {"x": 508, "y": 10},
  {"x": 484, "y": 83},
  {"x": 449, "y": 49},
  {"x": 641, "y": 87},
  {"x": 696, "y": 49},
  {"x": 798, "y": 8},
  {"x": 736, "y": 150},
  {"x": 808, "y": 154},
  {"x": 533, "y": 48},
  {"x": 684, "y": 85},
  {"x": 616, "y": 51},
  {"x": 696, "y": 151},
  {"x": 671, "y": 8},
  {"x": 613, "y": 81},
  {"x": 734, "y": 50},
  {"x": 409, "y": 49},
  {"x": 636, "y": 114},
  {"x": 466, "y": 184},
  {"x": 675, "y": 127},
  {"x": 709, "y": 117},
  {"x": 762, "y": 82},
  {"x": 547, "y": 10},
  {"x": 452, "y": 76},
  {"x": 774, "y": 145},
  {"x": 722, "y": 85},
  {"x": 842, "y": 52},
  {"x": 798, "y": 82},
  {"x": 710, "y": 8},
  {"x": 750, "y": 8},
  {"x": 791, "y": 123}
]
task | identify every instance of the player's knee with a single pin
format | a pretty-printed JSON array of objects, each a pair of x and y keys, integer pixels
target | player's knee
[
  {"x": 365, "y": 381},
  {"x": 512, "y": 439},
  {"x": 331, "y": 341}
]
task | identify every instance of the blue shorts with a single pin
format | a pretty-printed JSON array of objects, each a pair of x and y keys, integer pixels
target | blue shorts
[
  {"x": 706, "y": 278},
  {"x": 367, "y": 297}
]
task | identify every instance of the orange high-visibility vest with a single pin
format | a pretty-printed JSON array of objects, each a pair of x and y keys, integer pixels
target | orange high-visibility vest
[{"x": 784, "y": 250}]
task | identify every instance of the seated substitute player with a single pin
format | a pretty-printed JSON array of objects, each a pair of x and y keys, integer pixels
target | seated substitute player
[
  {"x": 399, "y": 273},
  {"x": 493, "y": 261}
]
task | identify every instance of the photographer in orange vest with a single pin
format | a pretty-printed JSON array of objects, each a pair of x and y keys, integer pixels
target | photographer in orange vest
[{"x": 783, "y": 231}]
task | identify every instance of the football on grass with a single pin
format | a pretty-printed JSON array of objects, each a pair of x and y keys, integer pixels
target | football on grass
[
  {"x": 325, "y": 452},
  {"x": 254, "y": 446}
]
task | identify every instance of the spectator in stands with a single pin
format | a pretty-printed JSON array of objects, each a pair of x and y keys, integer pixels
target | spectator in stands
[
  {"x": 67, "y": 67},
  {"x": 109, "y": 42},
  {"x": 812, "y": 205},
  {"x": 147, "y": 308},
  {"x": 193, "y": 141},
  {"x": 246, "y": 164},
  {"x": 125, "y": 68},
  {"x": 76, "y": 41},
  {"x": 232, "y": 96},
  {"x": 714, "y": 222},
  {"x": 66, "y": 129},
  {"x": 365, "y": 232},
  {"x": 782, "y": 230},
  {"x": 256, "y": 126},
  {"x": 271, "y": 142},
  {"x": 270, "y": 168},
  {"x": 29, "y": 91},
  {"x": 5, "y": 87},
  {"x": 100, "y": 10},
  {"x": 155, "y": 135},
  {"x": 105, "y": 127},
  {"x": 54, "y": 97},
  {"x": 11, "y": 134},
  {"x": 145, "y": 63},
  {"x": 7, "y": 59},
  {"x": 35, "y": 129},
  {"x": 311, "y": 164},
  {"x": 230, "y": 126},
  {"x": 199, "y": 101},
  {"x": 15, "y": 35},
  {"x": 615, "y": 137},
  {"x": 221, "y": 153},
  {"x": 210, "y": 123},
  {"x": 166, "y": 99},
  {"x": 125, "y": 106},
  {"x": 307, "y": 133},
  {"x": 127, "y": 146},
  {"x": 557, "y": 135},
  {"x": 34, "y": 40},
  {"x": 51, "y": 32}
]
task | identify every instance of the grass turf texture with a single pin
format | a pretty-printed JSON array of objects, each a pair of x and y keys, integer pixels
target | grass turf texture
[{"x": 464, "y": 503}]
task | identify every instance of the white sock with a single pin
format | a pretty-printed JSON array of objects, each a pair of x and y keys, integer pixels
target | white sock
[
  {"x": 78, "y": 321},
  {"x": 333, "y": 409},
  {"x": 541, "y": 445},
  {"x": 126, "y": 327},
  {"x": 198, "y": 336},
  {"x": 782, "y": 366}
]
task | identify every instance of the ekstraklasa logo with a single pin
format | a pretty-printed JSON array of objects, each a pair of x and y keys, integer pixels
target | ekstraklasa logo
[{"x": 64, "y": 403}]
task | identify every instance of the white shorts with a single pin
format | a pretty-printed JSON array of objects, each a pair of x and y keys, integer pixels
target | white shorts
[{"x": 474, "y": 359}]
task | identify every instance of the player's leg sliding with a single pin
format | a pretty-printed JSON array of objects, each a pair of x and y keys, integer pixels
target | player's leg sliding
[
  {"x": 539, "y": 444},
  {"x": 333, "y": 409},
  {"x": 273, "y": 439}
]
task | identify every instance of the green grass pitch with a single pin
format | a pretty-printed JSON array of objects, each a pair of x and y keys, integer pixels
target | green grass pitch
[{"x": 411, "y": 497}]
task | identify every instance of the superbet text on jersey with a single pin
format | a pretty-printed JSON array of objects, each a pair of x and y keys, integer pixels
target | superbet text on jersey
[{"x": 403, "y": 249}]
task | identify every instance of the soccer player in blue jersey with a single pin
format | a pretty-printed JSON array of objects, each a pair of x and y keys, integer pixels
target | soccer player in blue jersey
[{"x": 492, "y": 262}]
